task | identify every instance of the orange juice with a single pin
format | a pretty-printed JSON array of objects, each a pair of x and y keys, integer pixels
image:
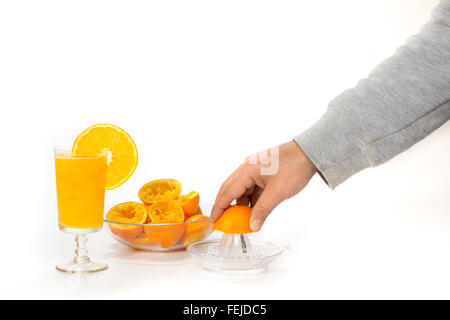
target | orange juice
[{"x": 80, "y": 185}]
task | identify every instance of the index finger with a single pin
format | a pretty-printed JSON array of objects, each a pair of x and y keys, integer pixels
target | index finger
[{"x": 233, "y": 188}]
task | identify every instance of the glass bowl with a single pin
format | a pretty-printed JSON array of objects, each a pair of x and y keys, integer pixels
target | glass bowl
[{"x": 159, "y": 237}]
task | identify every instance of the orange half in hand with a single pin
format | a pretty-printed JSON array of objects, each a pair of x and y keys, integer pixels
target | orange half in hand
[
  {"x": 234, "y": 220},
  {"x": 115, "y": 144},
  {"x": 127, "y": 212},
  {"x": 189, "y": 203},
  {"x": 168, "y": 211},
  {"x": 161, "y": 189}
]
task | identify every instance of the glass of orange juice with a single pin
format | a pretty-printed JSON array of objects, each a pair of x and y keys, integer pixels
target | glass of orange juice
[{"x": 80, "y": 186}]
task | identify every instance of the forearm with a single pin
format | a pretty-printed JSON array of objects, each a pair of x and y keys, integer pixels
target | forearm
[{"x": 403, "y": 100}]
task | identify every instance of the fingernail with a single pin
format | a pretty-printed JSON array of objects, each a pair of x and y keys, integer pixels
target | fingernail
[{"x": 255, "y": 225}]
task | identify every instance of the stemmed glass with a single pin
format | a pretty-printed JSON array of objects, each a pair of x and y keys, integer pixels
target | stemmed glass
[{"x": 80, "y": 186}]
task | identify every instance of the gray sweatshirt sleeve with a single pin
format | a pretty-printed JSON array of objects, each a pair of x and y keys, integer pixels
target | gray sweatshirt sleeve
[{"x": 403, "y": 100}]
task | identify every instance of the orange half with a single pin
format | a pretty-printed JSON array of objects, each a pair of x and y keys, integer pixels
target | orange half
[
  {"x": 234, "y": 220},
  {"x": 197, "y": 230},
  {"x": 127, "y": 212},
  {"x": 189, "y": 203},
  {"x": 164, "y": 236},
  {"x": 141, "y": 240},
  {"x": 161, "y": 189},
  {"x": 168, "y": 211}
]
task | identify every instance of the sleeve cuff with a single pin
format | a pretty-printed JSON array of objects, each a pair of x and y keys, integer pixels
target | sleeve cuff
[{"x": 334, "y": 149}]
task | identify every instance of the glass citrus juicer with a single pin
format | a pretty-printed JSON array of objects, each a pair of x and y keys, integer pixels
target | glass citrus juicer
[{"x": 234, "y": 251}]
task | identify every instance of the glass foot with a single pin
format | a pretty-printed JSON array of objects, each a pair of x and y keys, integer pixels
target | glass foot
[
  {"x": 90, "y": 266},
  {"x": 81, "y": 262}
]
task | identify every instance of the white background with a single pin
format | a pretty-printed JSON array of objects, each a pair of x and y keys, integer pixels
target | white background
[{"x": 199, "y": 85}]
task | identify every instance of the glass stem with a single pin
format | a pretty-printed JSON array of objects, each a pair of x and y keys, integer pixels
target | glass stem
[{"x": 81, "y": 251}]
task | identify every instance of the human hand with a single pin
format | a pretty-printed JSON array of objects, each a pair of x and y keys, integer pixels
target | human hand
[{"x": 249, "y": 184}]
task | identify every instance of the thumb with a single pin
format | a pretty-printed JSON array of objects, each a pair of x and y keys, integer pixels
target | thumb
[{"x": 268, "y": 200}]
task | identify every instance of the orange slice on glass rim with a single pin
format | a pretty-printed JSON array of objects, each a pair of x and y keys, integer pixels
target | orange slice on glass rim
[{"x": 115, "y": 144}]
